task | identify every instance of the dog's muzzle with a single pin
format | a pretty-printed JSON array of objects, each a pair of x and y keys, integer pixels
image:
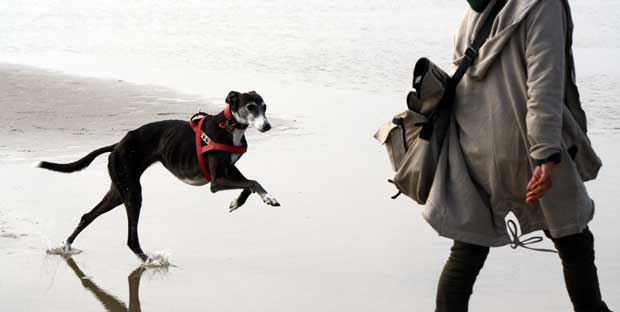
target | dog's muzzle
[
  {"x": 261, "y": 124},
  {"x": 266, "y": 127}
]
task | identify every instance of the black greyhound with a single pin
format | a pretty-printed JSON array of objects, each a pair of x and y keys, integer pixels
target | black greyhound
[{"x": 172, "y": 142}]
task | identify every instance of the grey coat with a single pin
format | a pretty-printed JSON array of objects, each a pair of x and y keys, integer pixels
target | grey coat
[{"x": 512, "y": 108}]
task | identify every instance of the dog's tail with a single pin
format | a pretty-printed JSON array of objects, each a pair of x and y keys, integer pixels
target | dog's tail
[{"x": 77, "y": 165}]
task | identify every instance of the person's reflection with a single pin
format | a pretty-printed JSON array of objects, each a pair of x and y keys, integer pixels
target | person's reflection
[{"x": 110, "y": 302}]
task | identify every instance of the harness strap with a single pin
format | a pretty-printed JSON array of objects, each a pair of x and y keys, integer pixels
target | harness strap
[
  {"x": 211, "y": 145},
  {"x": 201, "y": 162}
]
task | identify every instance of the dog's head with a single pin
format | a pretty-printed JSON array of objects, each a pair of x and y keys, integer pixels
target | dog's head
[{"x": 249, "y": 109}]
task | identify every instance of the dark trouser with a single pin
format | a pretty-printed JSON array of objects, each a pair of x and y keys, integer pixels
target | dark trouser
[{"x": 576, "y": 251}]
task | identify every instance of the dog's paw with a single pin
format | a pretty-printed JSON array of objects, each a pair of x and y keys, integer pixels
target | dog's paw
[
  {"x": 234, "y": 205},
  {"x": 270, "y": 200},
  {"x": 66, "y": 247},
  {"x": 64, "y": 250},
  {"x": 157, "y": 260}
]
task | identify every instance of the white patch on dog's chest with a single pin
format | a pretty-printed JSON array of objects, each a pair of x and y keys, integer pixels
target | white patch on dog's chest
[{"x": 237, "y": 136}]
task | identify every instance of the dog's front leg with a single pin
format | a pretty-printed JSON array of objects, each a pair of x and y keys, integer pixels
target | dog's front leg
[
  {"x": 239, "y": 201},
  {"x": 233, "y": 180},
  {"x": 248, "y": 186},
  {"x": 233, "y": 171}
]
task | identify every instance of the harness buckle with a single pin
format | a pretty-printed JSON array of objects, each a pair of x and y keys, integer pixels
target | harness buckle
[{"x": 205, "y": 138}]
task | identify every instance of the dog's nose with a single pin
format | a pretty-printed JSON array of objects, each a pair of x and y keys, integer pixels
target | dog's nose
[{"x": 266, "y": 127}]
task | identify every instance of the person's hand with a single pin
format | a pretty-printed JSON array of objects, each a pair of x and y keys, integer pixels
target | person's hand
[{"x": 540, "y": 182}]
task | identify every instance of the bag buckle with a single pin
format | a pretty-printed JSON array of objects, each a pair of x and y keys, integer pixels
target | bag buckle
[{"x": 470, "y": 54}]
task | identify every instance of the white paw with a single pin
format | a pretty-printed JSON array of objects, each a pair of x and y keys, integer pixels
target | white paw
[
  {"x": 270, "y": 200},
  {"x": 233, "y": 205}
]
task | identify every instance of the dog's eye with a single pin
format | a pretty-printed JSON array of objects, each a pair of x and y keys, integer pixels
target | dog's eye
[{"x": 252, "y": 107}]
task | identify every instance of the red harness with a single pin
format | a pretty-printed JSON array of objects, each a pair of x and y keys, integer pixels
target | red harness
[{"x": 211, "y": 145}]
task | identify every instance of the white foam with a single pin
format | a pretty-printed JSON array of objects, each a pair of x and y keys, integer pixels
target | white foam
[
  {"x": 62, "y": 251},
  {"x": 158, "y": 260}
]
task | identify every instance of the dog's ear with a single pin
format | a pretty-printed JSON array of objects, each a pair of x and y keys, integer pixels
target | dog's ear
[
  {"x": 252, "y": 92},
  {"x": 233, "y": 98}
]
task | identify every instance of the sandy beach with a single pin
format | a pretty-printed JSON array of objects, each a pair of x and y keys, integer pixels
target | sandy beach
[{"x": 337, "y": 244}]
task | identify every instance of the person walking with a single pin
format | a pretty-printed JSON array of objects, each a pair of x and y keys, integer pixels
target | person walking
[{"x": 518, "y": 144}]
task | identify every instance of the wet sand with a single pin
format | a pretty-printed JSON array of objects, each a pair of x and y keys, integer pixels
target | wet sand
[{"x": 337, "y": 244}]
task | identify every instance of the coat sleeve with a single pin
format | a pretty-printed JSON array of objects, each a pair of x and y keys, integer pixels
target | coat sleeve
[{"x": 545, "y": 62}]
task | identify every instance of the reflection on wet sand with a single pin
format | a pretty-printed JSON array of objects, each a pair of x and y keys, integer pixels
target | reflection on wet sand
[{"x": 109, "y": 302}]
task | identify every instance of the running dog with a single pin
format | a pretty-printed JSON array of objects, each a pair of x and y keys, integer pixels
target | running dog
[{"x": 179, "y": 147}]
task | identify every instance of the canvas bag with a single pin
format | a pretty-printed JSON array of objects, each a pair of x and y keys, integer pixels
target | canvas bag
[
  {"x": 414, "y": 159},
  {"x": 413, "y": 139}
]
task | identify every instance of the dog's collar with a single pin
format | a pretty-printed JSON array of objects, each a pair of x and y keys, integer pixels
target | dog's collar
[
  {"x": 230, "y": 123},
  {"x": 227, "y": 113}
]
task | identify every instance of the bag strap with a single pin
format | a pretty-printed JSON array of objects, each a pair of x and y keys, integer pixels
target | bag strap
[
  {"x": 469, "y": 58},
  {"x": 472, "y": 51}
]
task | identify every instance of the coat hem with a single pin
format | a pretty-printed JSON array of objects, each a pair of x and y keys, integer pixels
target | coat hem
[
  {"x": 465, "y": 236},
  {"x": 502, "y": 240}
]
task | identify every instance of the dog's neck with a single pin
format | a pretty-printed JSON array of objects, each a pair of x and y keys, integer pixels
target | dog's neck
[
  {"x": 237, "y": 136},
  {"x": 226, "y": 120},
  {"x": 224, "y": 130}
]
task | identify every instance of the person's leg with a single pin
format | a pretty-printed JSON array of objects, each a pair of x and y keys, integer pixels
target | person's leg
[
  {"x": 577, "y": 255},
  {"x": 458, "y": 276}
]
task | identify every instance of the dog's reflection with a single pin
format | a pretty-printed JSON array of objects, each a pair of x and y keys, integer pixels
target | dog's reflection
[{"x": 110, "y": 302}]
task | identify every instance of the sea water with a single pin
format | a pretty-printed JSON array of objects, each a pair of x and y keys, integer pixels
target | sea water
[{"x": 203, "y": 47}]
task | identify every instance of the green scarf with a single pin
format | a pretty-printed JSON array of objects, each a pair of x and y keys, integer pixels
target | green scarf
[{"x": 478, "y": 5}]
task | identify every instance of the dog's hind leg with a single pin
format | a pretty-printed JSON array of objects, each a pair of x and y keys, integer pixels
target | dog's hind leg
[
  {"x": 125, "y": 171},
  {"x": 111, "y": 200},
  {"x": 133, "y": 204}
]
